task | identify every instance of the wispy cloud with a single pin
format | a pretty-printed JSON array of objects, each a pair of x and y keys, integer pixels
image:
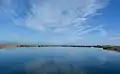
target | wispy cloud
[
  {"x": 64, "y": 17},
  {"x": 56, "y": 14}
]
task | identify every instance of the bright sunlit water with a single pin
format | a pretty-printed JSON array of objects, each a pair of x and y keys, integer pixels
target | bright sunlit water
[{"x": 59, "y": 61}]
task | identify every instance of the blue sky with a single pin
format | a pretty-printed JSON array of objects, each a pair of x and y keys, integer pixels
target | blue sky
[{"x": 60, "y": 21}]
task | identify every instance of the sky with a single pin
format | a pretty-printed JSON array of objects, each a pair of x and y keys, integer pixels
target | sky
[{"x": 60, "y": 21}]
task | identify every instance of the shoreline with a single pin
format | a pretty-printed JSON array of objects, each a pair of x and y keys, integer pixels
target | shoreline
[{"x": 104, "y": 47}]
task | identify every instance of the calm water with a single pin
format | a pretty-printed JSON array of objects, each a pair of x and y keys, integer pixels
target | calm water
[{"x": 59, "y": 61}]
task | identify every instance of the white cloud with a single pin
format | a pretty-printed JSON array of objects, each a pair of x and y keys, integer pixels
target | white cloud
[
  {"x": 61, "y": 13},
  {"x": 61, "y": 16},
  {"x": 65, "y": 17}
]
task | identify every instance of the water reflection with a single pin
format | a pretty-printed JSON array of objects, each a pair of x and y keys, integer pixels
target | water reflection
[{"x": 59, "y": 61}]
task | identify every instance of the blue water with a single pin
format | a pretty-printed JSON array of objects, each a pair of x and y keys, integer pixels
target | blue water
[{"x": 51, "y": 60}]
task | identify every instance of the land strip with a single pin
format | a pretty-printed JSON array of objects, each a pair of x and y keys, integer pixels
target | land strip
[{"x": 105, "y": 47}]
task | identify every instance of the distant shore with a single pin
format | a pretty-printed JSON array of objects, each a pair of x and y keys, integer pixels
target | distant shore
[{"x": 105, "y": 47}]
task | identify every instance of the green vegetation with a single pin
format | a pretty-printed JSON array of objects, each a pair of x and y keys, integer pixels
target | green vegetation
[{"x": 113, "y": 48}]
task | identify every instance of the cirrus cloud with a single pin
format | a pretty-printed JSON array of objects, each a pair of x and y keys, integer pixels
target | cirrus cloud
[{"x": 64, "y": 17}]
